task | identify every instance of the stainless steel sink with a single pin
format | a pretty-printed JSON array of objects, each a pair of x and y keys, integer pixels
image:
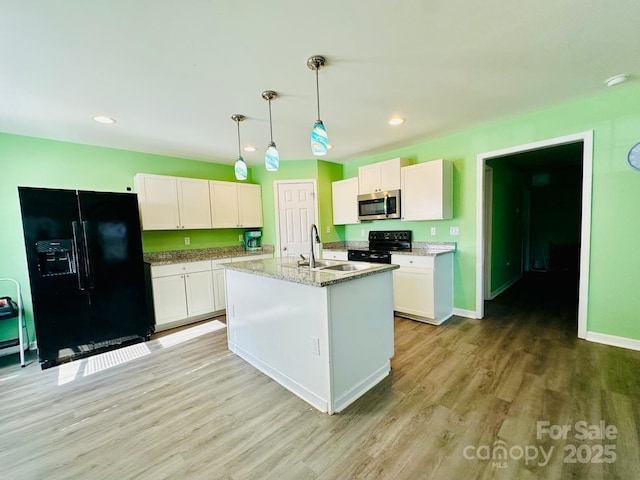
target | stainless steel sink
[
  {"x": 319, "y": 264},
  {"x": 346, "y": 267}
]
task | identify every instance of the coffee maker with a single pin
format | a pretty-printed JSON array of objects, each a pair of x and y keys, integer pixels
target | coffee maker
[{"x": 252, "y": 240}]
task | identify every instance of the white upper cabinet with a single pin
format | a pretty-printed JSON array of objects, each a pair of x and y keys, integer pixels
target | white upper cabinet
[
  {"x": 381, "y": 176},
  {"x": 235, "y": 205},
  {"x": 170, "y": 203},
  {"x": 345, "y": 201},
  {"x": 249, "y": 205},
  {"x": 193, "y": 203},
  {"x": 427, "y": 191}
]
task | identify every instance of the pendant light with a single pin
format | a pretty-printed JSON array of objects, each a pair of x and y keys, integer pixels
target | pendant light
[
  {"x": 271, "y": 157},
  {"x": 240, "y": 168},
  {"x": 319, "y": 139}
]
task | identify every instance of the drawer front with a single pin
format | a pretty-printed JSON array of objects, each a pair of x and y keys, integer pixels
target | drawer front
[
  {"x": 180, "y": 268},
  {"x": 334, "y": 255},
  {"x": 414, "y": 261}
]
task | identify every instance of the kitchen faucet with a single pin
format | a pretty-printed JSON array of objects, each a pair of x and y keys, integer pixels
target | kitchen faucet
[{"x": 312, "y": 258}]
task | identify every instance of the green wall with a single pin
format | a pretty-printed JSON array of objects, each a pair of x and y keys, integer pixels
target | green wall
[
  {"x": 507, "y": 224},
  {"x": 614, "y": 117},
  {"x": 614, "y": 263},
  {"x": 36, "y": 162},
  {"x": 323, "y": 172}
]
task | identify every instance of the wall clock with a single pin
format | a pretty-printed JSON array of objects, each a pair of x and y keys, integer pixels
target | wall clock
[{"x": 634, "y": 156}]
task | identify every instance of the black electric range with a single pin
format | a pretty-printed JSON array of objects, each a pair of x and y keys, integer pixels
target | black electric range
[{"x": 381, "y": 244}]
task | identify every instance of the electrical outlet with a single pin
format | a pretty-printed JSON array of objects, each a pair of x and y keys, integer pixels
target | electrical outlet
[
  {"x": 240, "y": 237},
  {"x": 433, "y": 230},
  {"x": 454, "y": 231},
  {"x": 328, "y": 229},
  {"x": 362, "y": 232},
  {"x": 315, "y": 345},
  {"x": 187, "y": 241}
]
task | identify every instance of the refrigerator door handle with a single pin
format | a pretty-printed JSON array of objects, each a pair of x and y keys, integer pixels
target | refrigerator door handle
[
  {"x": 87, "y": 254},
  {"x": 78, "y": 257}
]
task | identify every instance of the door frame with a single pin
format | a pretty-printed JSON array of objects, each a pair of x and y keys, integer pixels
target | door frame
[
  {"x": 276, "y": 184},
  {"x": 585, "y": 230},
  {"x": 488, "y": 234}
]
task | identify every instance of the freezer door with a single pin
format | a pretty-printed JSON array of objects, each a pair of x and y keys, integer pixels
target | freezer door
[
  {"x": 115, "y": 268},
  {"x": 54, "y": 258}
]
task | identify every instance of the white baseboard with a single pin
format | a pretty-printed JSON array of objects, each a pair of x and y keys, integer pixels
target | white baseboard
[
  {"x": 361, "y": 388},
  {"x": 613, "y": 340},
  {"x": 12, "y": 350},
  {"x": 459, "y": 312},
  {"x": 504, "y": 286}
]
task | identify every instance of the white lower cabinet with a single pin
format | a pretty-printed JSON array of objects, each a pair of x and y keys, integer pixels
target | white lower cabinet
[
  {"x": 169, "y": 299},
  {"x": 334, "y": 255},
  {"x": 200, "y": 294},
  {"x": 188, "y": 292},
  {"x": 423, "y": 287},
  {"x": 182, "y": 293}
]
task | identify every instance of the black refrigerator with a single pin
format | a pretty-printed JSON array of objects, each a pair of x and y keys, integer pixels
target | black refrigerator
[{"x": 89, "y": 284}]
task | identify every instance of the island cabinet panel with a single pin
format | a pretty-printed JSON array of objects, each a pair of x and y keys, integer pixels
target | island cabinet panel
[
  {"x": 273, "y": 325},
  {"x": 328, "y": 345},
  {"x": 360, "y": 348}
]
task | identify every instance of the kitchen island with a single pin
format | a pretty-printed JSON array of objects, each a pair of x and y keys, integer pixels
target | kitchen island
[{"x": 326, "y": 334}]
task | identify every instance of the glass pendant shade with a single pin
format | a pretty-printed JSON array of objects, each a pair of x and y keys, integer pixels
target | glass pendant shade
[
  {"x": 272, "y": 158},
  {"x": 240, "y": 169},
  {"x": 319, "y": 139}
]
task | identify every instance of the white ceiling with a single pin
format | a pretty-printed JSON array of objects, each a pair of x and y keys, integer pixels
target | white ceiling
[{"x": 173, "y": 72}]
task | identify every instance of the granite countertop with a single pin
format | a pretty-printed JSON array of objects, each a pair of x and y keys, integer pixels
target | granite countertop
[
  {"x": 286, "y": 269},
  {"x": 425, "y": 249},
  {"x": 197, "y": 254}
]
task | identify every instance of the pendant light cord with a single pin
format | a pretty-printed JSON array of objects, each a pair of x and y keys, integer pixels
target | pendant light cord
[
  {"x": 270, "y": 122},
  {"x": 318, "y": 92},
  {"x": 239, "y": 151}
]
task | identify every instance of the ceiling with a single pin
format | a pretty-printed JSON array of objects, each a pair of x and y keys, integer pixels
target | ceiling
[{"x": 173, "y": 72}]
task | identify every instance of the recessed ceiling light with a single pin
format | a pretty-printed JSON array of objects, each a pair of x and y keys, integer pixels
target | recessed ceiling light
[
  {"x": 616, "y": 80},
  {"x": 249, "y": 148},
  {"x": 396, "y": 121},
  {"x": 103, "y": 119}
]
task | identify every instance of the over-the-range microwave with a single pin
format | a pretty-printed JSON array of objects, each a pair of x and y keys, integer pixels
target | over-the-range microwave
[{"x": 379, "y": 205}]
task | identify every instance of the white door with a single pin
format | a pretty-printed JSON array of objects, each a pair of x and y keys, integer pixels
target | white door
[{"x": 296, "y": 209}]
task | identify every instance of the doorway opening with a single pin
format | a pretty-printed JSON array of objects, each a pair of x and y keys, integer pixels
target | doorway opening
[{"x": 534, "y": 223}]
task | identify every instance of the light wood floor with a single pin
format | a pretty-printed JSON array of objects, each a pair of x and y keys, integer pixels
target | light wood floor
[{"x": 195, "y": 411}]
